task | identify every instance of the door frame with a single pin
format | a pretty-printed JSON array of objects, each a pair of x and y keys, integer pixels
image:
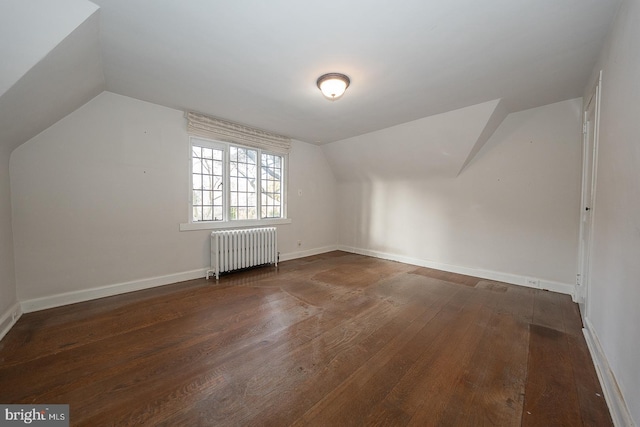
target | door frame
[{"x": 589, "y": 180}]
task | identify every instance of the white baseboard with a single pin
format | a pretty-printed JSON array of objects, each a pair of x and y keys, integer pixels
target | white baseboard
[
  {"x": 612, "y": 394},
  {"x": 9, "y": 318},
  {"x": 66, "y": 298},
  {"x": 301, "y": 254},
  {"x": 35, "y": 304},
  {"x": 563, "y": 288}
]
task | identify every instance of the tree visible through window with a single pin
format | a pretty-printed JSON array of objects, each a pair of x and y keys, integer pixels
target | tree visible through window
[
  {"x": 243, "y": 178},
  {"x": 271, "y": 188},
  {"x": 207, "y": 181},
  {"x": 226, "y": 178}
]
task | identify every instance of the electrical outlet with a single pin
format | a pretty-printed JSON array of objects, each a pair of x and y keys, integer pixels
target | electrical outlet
[{"x": 532, "y": 282}]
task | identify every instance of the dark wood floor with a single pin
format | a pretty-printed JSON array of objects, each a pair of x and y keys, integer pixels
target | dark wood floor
[{"x": 335, "y": 339}]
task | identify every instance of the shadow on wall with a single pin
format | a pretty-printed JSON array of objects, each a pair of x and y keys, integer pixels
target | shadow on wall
[{"x": 514, "y": 209}]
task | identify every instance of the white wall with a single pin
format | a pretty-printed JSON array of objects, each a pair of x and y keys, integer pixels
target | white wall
[
  {"x": 614, "y": 301},
  {"x": 7, "y": 278},
  {"x": 312, "y": 203},
  {"x": 513, "y": 210},
  {"x": 98, "y": 198}
]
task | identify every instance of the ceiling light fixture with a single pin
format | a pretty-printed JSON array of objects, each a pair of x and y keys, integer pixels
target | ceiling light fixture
[{"x": 333, "y": 85}]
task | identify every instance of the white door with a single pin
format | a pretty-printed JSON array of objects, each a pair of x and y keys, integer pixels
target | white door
[{"x": 590, "y": 157}]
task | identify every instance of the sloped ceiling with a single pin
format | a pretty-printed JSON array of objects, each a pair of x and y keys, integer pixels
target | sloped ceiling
[
  {"x": 50, "y": 66},
  {"x": 30, "y": 29},
  {"x": 256, "y": 63},
  {"x": 435, "y": 146}
]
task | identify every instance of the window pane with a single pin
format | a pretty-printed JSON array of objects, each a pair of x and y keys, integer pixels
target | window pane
[
  {"x": 207, "y": 198},
  {"x": 217, "y": 213},
  {"x": 217, "y": 182},
  {"x": 207, "y": 172},
  {"x": 271, "y": 172},
  {"x": 207, "y": 182},
  {"x": 197, "y": 213},
  {"x": 197, "y": 198},
  {"x": 197, "y": 165},
  {"x": 207, "y": 166},
  {"x": 197, "y": 181},
  {"x": 243, "y": 172},
  {"x": 217, "y": 167},
  {"x": 207, "y": 213}
]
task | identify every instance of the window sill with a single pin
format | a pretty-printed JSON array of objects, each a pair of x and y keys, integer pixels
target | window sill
[{"x": 193, "y": 226}]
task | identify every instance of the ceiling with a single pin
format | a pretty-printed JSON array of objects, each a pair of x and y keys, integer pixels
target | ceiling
[{"x": 256, "y": 63}]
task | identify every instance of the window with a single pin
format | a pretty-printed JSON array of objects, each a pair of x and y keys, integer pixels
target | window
[
  {"x": 243, "y": 180},
  {"x": 271, "y": 185},
  {"x": 235, "y": 183},
  {"x": 206, "y": 179}
]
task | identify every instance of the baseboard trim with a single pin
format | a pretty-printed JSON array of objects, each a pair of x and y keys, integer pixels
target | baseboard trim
[
  {"x": 9, "y": 318},
  {"x": 66, "y": 298},
  {"x": 612, "y": 394},
  {"x": 563, "y": 288},
  {"x": 301, "y": 254}
]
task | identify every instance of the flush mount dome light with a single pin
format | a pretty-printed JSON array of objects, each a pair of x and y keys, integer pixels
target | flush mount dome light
[{"x": 333, "y": 85}]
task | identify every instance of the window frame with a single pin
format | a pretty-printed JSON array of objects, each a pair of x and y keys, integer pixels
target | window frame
[{"x": 226, "y": 222}]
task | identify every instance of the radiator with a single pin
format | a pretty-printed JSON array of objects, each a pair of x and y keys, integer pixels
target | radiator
[{"x": 237, "y": 249}]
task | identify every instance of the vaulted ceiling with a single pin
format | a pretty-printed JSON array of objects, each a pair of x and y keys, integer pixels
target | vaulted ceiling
[{"x": 257, "y": 63}]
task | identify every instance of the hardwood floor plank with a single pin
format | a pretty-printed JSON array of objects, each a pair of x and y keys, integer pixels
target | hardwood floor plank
[
  {"x": 181, "y": 364},
  {"x": 491, "y": 389},
  {"x": 446, "y": 276},
  {"x": 441, "y": 370},
  {"x": 402, "y": 382},
  {"x": 327, "y": 358},
  {"x": 369, "y": 383},
  {"x": 66, "y": 368},
  {"x": 550, "y": 393},
  {"x": 249, "y": 362},
  {"x": 550, "y": 309},
  {"x": 593, "y": 407},
  {"x": 128, "y": 317}
]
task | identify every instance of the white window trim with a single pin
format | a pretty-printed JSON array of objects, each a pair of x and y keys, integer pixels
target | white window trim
[
  {"x": 226, "y": 222},
  {"x": 216, "y": 225}
]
